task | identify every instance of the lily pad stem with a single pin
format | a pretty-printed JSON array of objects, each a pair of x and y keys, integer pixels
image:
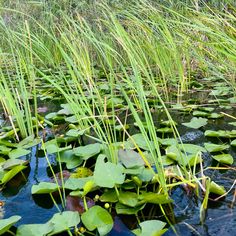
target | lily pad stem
[
  {"x": 10, "y": 232},
  {"x": 117, "y": 191},
  {"x": 54, "y": 202},
  {"x": 85, "y": 203},
  {"x": 68, "y": 231}
]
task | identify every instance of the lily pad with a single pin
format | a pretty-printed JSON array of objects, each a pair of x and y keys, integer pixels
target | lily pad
[
  {"x": 5, "y": 224},
  {"x": 151, "y": 228},
  {"x": 233, "y": 143},
  {"x": 211, "y": 147},
  {"x": 19, "y": 152},
  {"x": 8, "y": 175},
  {"x": 196, "y": 123},
  {"x": 130, "y": 158},
  {"x": 107, "y": 174},
  {"x": 140, "y": 141},
  {"x": 44, "y": 187},
  {"x": 97, "y": 218},
  {"x": 85, "y": 152},
  {"x": 126, "y": 210},
  {"x": 70, "y": 159},
  {"x": 64, "y": 221},
  {"x": 34, "y": 229},
  {"x": 224, "y": 158},
  {"x": 109, "y": 196},
  {"x": 128, "y": 198}
]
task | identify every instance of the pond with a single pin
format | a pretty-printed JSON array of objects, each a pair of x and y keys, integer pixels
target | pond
[{"x": 185, "y": 210}]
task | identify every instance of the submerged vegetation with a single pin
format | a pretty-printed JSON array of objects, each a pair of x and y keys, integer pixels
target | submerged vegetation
[{"x": 143, "y": 96}]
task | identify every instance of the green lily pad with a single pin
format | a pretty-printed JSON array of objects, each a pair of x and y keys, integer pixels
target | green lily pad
[
  {"x": 19, "y": 152},
  {"x": 34, "y": 229},
  {"x": 107, "y": 174},
  {"x": 52, "y": 147},
  {"x": 67, "y": 109},
  {"x": 196, "y": 123},
  {"x": 13, "y": 162},
  {"x": 224, "y": 158},
  {"x": 128, "y": 198},
  {"x": 8, "y": 175},
  {"x": 75, "y": 133},
  {"x": 221, "y": 133},
  {"x": 233, "y": 143},
  {"x": 64, "y": 221},
  {"x": 126, "y": 210},
  {"x": 168, "y": 141},
  {"x": 130, "y": 158},
  {"x": 211, "y": 147},
  {"x": 141, "y": 142},
  {"x": 44, "y": 187},
  {"x": 154, "y": 198},
  {"x": 109, "y": 196},
  {"x": 70, "y": 159},
  {"x": 97, "y": 218},
  {"x": 6, "y": 224},
  {"x": 77, "y": 183},
  {"x": 151, "y": 228},
  {"x": 4, "y": 150},
  {"x": 85, "y": 152},
  {"x": 217, "y": 189}
]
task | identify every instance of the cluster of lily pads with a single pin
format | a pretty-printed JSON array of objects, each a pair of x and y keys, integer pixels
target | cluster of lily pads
[{"x": 104, "y": 187}]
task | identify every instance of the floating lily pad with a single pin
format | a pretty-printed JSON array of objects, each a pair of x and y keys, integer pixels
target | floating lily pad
[
  {"x": 13, "y": 162},
  {"x": 109, "y": 196},
  {"x": 211, "y": 147},
  {"x": 224, "y": 158},
  {"x": 141, "y": 142},
  {"x": 64, "y": 221},
  {"x": 233, "y": 143},
  {"x": 44, "y": 187},
  {"x": 154, "y": 198},
  {"x": 107, "y": 174},
  {"x": 128, "y": 198},
  {"x": 130, "y": 158},
  {"x": 77, "y": 183},
  {"x": 196, "y": 123},
  {"x": 126, "y": 210},
  {"x": 19, "y": 152},
  {"x": 85, "y": 152},
  {"x": 221, "y": 133},
  {"x": 35, "y": 229},
  {"x": 70, "y": 159},
  {"x": 151, "y": 228},
  {"x": 8, "y": 175},
  {"x": 97, "y": 218},
  {"x": 75, "y": 133},
  {"x": 5, "y": 224}
]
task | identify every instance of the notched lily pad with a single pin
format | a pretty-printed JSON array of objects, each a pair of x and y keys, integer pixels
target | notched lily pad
[
  {"x": 97, "y": 218},
  {"x": 196, "y": 123},
  {"x": 130, "y": 158},
  {"x": 107, "y": 174}
]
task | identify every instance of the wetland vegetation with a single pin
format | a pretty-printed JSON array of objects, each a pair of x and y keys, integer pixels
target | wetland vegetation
[{"x": 117, "y": 117}]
